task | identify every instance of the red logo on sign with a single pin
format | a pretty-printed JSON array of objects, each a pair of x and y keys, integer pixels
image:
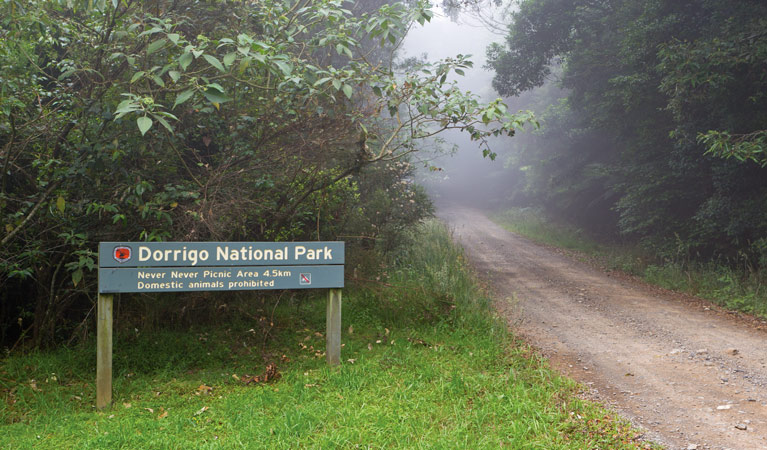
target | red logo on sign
[{"x": 122, "y": 254}]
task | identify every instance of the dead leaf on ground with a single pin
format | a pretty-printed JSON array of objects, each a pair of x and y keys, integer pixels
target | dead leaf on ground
[
  {"x": 163, "y": 415},
  {"x": 419, "y": 342},
  {"x": 202, "y": 410},
  {"x": 203, "y": 389},
  {"x": 270, "y": 374}
]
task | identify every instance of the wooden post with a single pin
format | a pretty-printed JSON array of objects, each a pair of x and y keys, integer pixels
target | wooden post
[
  {"x": 333, "y": 332},
  {"x": 104, "y": 352}
]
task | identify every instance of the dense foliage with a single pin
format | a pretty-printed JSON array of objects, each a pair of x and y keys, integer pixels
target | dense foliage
[
  {"x": 204, "y": 120},
  {"x": 659, "y": 133}
]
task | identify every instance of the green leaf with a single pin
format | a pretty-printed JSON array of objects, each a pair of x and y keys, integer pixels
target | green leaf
[
  {"x": 125, "y": 107},
  {"x": 154, "y": 30},
  {"x": 215, "y": 95},
  {"x": 348, "y": 91},
  {"x": 164, "y": 123},
  {"x": 77, "y": 276},
  {"x": 144, "y": 124},
  {"x": 213, "y": 61},
  {"x": 284, "y": 67},
  {"x": 229, "y": 58},
  {"x": 156, "y": 45},
  {"x": 61, "y": 203},
  {"x": 136, "y": 76},
  {"x": 158, "y": 80},
  {"x": 174, "y": 37},
  {"x": 185, "y": 59},
  {"x": 244, "y": 63},
  {"x": 66, "y": 74},
  {"x": 182, "y": 97},
  {"x": 174, "y": 75},
  {"x": 165, "y": 114}
]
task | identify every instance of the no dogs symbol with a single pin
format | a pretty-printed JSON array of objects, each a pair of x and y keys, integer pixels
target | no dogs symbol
[{"x": 122, "y": 254}]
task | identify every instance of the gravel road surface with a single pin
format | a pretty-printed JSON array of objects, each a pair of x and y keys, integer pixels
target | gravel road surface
[{"x": 689, "y": 374}]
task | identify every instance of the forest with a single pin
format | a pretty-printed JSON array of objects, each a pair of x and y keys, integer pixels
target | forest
[
  {"x": 194, "y": 120},
  {"x": 654, "y": 126},
  {"x": 183, "y": 120},
  {"x": 639, "y": 127}
]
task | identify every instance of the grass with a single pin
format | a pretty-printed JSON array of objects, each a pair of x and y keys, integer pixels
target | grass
[
  {"x": 734, "y": 289},
  {"x": 426, "y": 365},
  {"x": 531, "y": 223}
]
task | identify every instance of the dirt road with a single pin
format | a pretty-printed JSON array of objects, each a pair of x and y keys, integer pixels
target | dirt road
[{"x": 689, "y": 374}]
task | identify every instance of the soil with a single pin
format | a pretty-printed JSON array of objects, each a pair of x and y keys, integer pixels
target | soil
[{"x": 688, "y": 373}]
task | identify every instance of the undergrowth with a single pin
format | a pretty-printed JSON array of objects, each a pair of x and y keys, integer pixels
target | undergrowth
[
  {"x": 736, "y": 289},
  {"x": 425, "y": 365}
]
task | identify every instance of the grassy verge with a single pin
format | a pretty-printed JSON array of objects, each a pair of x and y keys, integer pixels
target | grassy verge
[
  {"x": 723, "y": 285},
  {"x": 426, "y": 365}
]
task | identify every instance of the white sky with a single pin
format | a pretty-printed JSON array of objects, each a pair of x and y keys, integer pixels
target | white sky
[{"x": 442, "y": 38}]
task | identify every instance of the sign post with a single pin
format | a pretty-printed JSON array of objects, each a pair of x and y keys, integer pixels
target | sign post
[
  {"x": 333, "y": 328},
  {"x": 104, "y": 351},
  {"x": 133, "y": 267}
]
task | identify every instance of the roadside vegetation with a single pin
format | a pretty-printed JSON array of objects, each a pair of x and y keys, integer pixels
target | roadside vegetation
[
  {"x": 652, "y": 135},
  {"x": 199, "y": 120},
  {"x": 425, "y": 365},
  {"x": 733, "y": 284}
]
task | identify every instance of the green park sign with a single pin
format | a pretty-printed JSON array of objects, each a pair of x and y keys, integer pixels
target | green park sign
[
  {"x": 152, "y": 267},
  {"x": 219, "y": 266}
]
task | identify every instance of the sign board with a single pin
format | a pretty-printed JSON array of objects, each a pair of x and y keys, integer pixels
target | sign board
[
  {"x": 235, "y": 278},
  {"x": 213, "y": 266},
  {"x": 219, "y": 266}
]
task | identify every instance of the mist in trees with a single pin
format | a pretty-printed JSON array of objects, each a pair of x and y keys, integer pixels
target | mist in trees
[
  {"x": 458, "y": 173},
  {"x": 653, "y": 120},
  {"x": 274, "y": 120},
  {"x": 206, "y": 120}
]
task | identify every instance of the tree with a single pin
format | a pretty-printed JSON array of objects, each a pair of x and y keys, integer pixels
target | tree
[
  {"x": 656, "y": 90},
  {"x": 188, "y": 120}
]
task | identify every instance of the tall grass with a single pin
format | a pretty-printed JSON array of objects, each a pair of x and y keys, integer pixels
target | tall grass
[
  {"x": 737, "y": 289},
  {"x": 426, "y": 365}
]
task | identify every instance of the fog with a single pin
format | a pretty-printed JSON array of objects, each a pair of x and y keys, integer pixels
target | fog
[{"x": 464, "y": 176}]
